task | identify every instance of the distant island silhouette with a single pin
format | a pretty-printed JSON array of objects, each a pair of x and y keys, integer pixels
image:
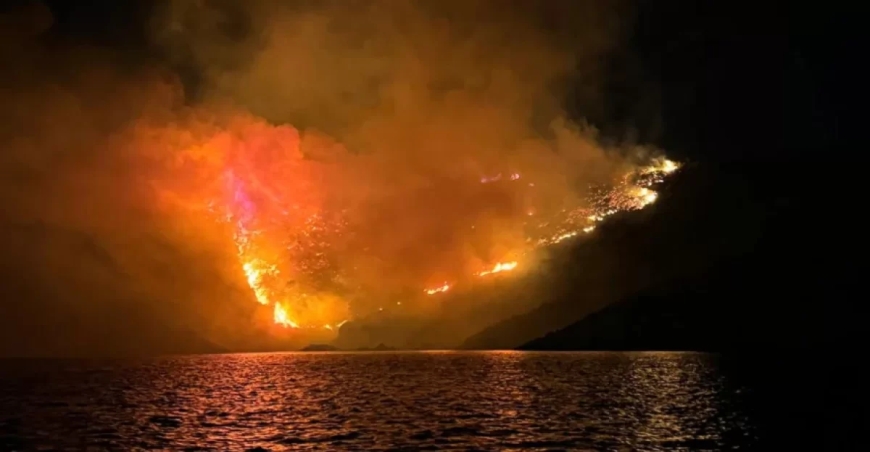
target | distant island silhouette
[
  {"x": 320, "y": 348},
  {"x": 331, "y": 348}
]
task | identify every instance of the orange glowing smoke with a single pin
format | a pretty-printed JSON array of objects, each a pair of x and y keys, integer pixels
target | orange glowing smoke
[{"x": 303, "y": 254}]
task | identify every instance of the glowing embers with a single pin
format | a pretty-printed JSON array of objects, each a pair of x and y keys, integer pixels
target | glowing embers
[
  {"x": 499, "y": 267},
  {"x": 564, "y": 237},
  {"x": 440, "y": 289}
]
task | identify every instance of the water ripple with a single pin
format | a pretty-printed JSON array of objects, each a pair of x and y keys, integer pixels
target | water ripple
[{"x": 372, "y": 401}]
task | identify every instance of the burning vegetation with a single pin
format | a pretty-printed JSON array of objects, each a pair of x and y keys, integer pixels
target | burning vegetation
[
  {"x": 334, "y": 160},
  {"x": 294, "y": 244}
]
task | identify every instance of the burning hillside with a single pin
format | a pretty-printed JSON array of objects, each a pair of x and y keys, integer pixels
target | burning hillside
[
  {"x": 308, "y": 254},
  {"x": 286, "y": 168}
]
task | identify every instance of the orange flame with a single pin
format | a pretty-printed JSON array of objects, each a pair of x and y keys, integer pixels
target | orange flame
[
  {"x": 433, "y": 291},
  {"x": 282, "y": 318},
  {"x": 644, "y": 197},
  {"x": 500, "y": 267},
  {"x": 262, "y": 213},
  {"x": 254, "y": 276}
]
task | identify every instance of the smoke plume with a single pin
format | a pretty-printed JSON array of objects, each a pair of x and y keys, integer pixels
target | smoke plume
[{"x": 331, "y": 153}]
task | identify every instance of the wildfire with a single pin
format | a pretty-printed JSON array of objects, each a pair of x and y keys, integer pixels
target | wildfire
[
  {"x": 645, "y": 197},
  {"x": 632, "y": 193},
  {"x": 254, "y": 274},
  {"x": 499, "y": 267},
  {"x": 662, "y": 165},
  {"x": 443, "y": 288},
  {"x": 565, "y": 236},
  {"x": 288, "y": 237},
  {"x": 281, "y": 317}
]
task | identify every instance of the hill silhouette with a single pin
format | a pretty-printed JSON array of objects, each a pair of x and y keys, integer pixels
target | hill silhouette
[
  {"x": 729, "y": 256},
  {"x": 757, "y": 243}
]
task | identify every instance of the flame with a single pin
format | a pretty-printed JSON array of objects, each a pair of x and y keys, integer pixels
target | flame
[
  {"x": 283, "y": 231},
  {"x": 661, "y": 165},
  {"x": 668, "y": 166},
  {"x": 633, "y": 193},
  {"x": 254, "y": 272},
  {"x": 282, "y": 318},
  {"x": 645, "y": 197},
  {"x": 443, "y": 288},
  {"x": 499, "y": 267}
]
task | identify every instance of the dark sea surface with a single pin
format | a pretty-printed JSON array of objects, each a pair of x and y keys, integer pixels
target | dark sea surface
[{"x": 377, "y": 401}]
